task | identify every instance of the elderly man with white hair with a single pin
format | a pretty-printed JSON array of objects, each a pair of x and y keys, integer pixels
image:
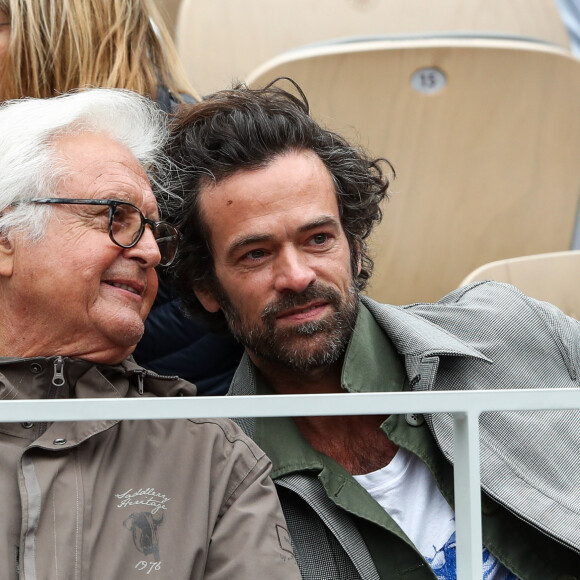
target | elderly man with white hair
[{"x": 80, "y": 238}]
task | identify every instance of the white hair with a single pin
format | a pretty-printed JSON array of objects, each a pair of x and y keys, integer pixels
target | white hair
[{"x": 29, "y": 131}]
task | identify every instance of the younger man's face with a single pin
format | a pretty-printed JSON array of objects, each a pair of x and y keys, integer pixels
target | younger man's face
[{"x": 282, "y": 260}]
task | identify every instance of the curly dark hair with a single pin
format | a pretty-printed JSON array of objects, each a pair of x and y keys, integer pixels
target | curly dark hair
[{"x": 243, "y": 129}]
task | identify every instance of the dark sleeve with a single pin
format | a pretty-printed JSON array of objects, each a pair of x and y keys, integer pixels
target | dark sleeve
[{"x": 174, "y": 344}]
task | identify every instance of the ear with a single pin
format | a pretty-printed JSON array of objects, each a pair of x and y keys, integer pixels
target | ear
[
  {"x": 6, "y": 256},
  {"x": 207, "y": 300}
]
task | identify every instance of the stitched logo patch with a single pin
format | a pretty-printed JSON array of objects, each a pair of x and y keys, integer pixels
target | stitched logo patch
[
  {"x": 145, "y": 497},
  {"x": 144, "y": 527},
  {"x": 143, "y": 523}
]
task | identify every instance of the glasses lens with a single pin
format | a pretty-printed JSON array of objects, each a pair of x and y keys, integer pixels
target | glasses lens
[
  {"x": 167, "y": 239},
  {"x": 127, "y": 227},
  {"x": 126, "y": 224}
]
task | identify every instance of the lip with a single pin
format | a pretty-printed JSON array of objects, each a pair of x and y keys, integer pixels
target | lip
[
  {"x": 133, "y": 288},
  {"x": 303, "y": 313}
]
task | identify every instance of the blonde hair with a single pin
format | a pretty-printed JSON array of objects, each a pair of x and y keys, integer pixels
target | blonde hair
[{"x": 59, "y": 45}]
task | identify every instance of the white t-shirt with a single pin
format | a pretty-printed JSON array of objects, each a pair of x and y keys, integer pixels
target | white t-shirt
[{"x": 406, "y": 490}]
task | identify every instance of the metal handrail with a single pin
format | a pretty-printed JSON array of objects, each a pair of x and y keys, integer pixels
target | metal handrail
[{"x": 464, "y": 406}]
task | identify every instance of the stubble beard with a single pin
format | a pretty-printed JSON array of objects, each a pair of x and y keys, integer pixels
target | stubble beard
[{"x": 303, "y": 347}]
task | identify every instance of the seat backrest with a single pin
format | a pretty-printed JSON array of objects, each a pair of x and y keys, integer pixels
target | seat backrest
[
  {"x": 484, "y": 136},
  {"x": 221, "y": 40},
  {"x": 553, "y": 277}
]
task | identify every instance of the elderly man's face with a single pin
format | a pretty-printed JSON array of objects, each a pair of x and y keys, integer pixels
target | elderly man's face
[
  {"x": 283, "y": 262},
  {"x": 77, "y": 292}
]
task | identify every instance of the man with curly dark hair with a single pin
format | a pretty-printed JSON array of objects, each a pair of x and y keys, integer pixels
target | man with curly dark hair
[
  {"x": 246, "y": 130},
  {"x": 275, "y": 220}
]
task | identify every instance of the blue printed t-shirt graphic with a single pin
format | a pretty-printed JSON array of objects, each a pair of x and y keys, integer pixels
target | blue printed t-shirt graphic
[{"x": 444, "y": 564}]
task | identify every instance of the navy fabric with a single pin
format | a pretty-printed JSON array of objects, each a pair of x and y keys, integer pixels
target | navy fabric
[{"x": 174, "y": 344}]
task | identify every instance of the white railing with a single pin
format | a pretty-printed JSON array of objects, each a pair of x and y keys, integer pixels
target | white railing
[{"x": 465, "y": 406}]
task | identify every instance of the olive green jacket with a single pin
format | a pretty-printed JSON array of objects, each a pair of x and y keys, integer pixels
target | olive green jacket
[{"x": 485, "y": 336}]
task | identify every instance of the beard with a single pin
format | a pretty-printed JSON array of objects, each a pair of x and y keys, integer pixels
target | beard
[{"x": 303, "y": 347}]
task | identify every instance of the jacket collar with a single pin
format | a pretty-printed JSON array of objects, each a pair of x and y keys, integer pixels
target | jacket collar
[
  {"x": 39, "y": 378},
  {"x": 415, "y": 336},
  {"x": 420, "y": 342},
  {"x": 371, "y": 365}
]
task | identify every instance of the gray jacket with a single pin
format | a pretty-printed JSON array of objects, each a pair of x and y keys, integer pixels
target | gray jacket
[
  {"x": 181, "y": 499},
  {"x": 484, "y": 336}
]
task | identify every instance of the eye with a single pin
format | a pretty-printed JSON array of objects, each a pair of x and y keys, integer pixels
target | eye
[
  {"x": 254, "y": 255},
  {"x": 319, "y": 239},
  {"x": 120, "y": 215}
]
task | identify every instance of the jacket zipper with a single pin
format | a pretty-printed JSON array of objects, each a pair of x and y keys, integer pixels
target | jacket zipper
[
  {"x": 140, "y": 379},
  {"x": 142, "y": 373},
  {"x": 58, "y": 380},
  {"x": 58, "y": 375}
]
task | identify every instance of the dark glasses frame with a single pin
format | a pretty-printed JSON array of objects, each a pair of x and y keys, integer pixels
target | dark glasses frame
[{"x": 166, "y": 235}]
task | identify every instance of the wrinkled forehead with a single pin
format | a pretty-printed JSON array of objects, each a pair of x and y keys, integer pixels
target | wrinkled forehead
[
  {"x": 288, "y": 195},
  {"x": 95, "y": 165}
]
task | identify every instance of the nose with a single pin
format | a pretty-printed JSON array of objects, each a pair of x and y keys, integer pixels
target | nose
[
  {"x": 292, "y": 271},
  {"x": 146, "y": 251}
]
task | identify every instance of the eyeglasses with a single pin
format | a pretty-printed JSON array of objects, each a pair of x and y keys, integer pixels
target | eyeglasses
[{"x": 127, "y": 224}]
